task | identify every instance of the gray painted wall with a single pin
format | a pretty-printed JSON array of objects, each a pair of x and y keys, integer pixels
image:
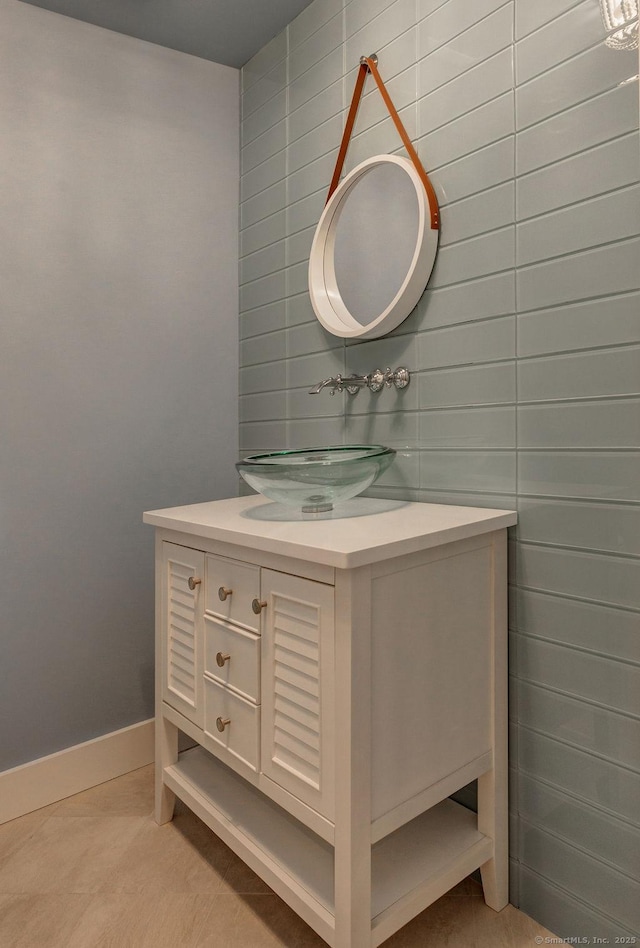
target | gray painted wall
[
  {"x": 118, "y": 339},
  {"x": 526, "y": 366}
]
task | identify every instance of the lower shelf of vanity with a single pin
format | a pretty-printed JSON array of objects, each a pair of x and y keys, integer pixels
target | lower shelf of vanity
[{"x": 411, "y": 867}]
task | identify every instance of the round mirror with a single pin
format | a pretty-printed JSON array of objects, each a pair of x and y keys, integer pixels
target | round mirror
[{"x": 373, "y": 250}]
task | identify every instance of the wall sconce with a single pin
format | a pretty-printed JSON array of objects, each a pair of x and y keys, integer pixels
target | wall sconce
[{"x": 621, "y": 23}]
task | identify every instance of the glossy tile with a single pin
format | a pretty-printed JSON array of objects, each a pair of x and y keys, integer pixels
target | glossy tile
[
  {"x": 311, "y": 19},
  {"x": 586, "y": 125},
  {"x": 605, "y": 837},
  {"x": 596, "y": 475},
  {"x": 566, "y": 914},
  {"x": 591, "y": 780},
  {"x": 589, "y": 324},
  {"x": 267, "y": 289},
  {"x": 490, "y": 210},
  {"x": 264, "y": 60},
  {"x": 264, "y": 175},
  {"x": 265, "y": 377},
  {"x": 578, "y": 177},
  {"x": 486, "y": 81},
  {"x": 396, "y": 50},
  {"x": 263, "y": 205},
  {"x": 452, "y": 19},
  {"x": 267, "y": 406},
  {"x": 271, "y": 113},
  {"x": 265, "y": 348},
  {"x": 613, "y": 684},
  {"x": 260, "y": 92},
  {"x": 465, "y": 50},
  {"x": 263, "y": 319},
  {"x": 601, "y": 271},
  {"x": 395, "y": 429},
  {"x": 476, "y": 257},
  {"x": 469, "y": 344},
  {"x": 476, "y": 428},
  {"x": 263, "y": 233},
  {"x": 597, "y": 424},
  {"x": 381, "y": 139},
  {"x": 600, "y": 731},
  {"x": 474, "y": 130},
  {"x": 401, "y": 88},
  {"x": 600, "y": 886},
  {"x": 268, "y": 260},
  {"x": 468, "y": 470},
  {"x": 264, "y": 146},
  {"x": 298, "y": 247},
  {"x": 323, "y": 74},
  {"x": 608, "y": 631},
  {"x": 611, "y": 580},
  {"x": 468, "y": 385},
  {"x": 313, "y": 177},
  {"x": 584, "y": 77},
  {"x": 580, "y": 375},
  {"x": 392, "y": 18},
  {"x": 566, "y": 36},
  {"x": 315, "y": 143},
  {"x": 604, "y": 219},
  {"x": 530, "y": 16},
  {"x": 318, "y": 45},
  {"x": 475, "y": 172},
  {"x": 308, "y": 370},
  {"x": 315, "y": 112},
  {"x": 263, "y": 436},
  {"x": 477, "y": 299}
]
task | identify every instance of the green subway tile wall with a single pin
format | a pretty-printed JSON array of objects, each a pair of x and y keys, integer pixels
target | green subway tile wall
[{"x": 525, "y": 354}]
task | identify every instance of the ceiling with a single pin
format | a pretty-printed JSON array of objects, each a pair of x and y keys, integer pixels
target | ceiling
[{"x": 224, "y": 31}]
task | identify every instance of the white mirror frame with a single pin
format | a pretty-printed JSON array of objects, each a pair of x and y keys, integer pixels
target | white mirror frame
[{"x": 323, "y": 288}]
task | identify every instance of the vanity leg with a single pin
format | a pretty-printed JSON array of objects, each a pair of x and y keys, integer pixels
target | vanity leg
[
  {"x": 353, "y": 764},
  {"x": 166, "y": 755},
  {"x": 493, "y": 796}
]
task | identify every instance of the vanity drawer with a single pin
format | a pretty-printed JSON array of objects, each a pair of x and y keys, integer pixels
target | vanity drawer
[
  {"x": 241, "y": 735},
  {"x": 241, "y": 669},
  {"x": 230, "y": 589}
]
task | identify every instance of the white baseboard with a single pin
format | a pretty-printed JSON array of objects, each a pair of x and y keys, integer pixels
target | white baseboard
[{"x": 49, "y": 779}]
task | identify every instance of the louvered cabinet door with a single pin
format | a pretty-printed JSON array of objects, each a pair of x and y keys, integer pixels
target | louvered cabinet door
[
  {"x": 182, "y": 622},
  {"x": 297, "y": 688}
]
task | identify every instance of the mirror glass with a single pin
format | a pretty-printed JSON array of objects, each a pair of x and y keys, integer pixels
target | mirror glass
[
  {"x": 374, "y": 249},
  {"x": 375, "y": 240}
]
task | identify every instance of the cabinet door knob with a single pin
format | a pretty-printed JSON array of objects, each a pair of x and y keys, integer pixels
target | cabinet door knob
[
  {"x": 223, "y": 593},
  {"x": 193, "y": 581},
  {"x": 221, "y": 659},
  {"x": 257, "y": 605},
  {"x": 221, "y": 723}
]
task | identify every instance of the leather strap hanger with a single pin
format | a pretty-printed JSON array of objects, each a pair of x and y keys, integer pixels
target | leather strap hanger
[{"x": 369, "y": 64}]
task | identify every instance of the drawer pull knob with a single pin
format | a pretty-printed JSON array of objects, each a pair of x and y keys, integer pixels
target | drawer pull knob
[
  {"x": 193, "y": 581},
  {"x": 224, "y": 593},
  {"x": 221, "y": 659},
  {"x": 257, "y": 605},
  {"x": 221, "y": 723}
]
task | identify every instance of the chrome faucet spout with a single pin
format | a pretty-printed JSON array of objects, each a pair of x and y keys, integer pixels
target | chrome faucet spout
[{"x": 318, "y": 388}]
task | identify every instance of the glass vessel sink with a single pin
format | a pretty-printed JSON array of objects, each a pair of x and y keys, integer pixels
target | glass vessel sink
[{"x": 313, "y": 479}]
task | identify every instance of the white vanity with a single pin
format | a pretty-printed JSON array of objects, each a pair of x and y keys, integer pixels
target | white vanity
[{"x": 342, "y": 677}]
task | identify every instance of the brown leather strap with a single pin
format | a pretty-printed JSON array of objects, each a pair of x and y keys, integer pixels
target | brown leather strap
[
  {"x": 368, "y": 65},
  {"x": 346, "y": 135}
]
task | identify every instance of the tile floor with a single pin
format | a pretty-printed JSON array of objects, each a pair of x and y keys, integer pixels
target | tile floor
[{"x": 95, "y": 870}]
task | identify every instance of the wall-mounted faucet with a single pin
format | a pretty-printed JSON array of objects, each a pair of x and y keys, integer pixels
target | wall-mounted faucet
[{"x": 375, "y": 381}]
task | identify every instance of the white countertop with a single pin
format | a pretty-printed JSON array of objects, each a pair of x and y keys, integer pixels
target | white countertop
[{"x": 361, "y": 531}]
